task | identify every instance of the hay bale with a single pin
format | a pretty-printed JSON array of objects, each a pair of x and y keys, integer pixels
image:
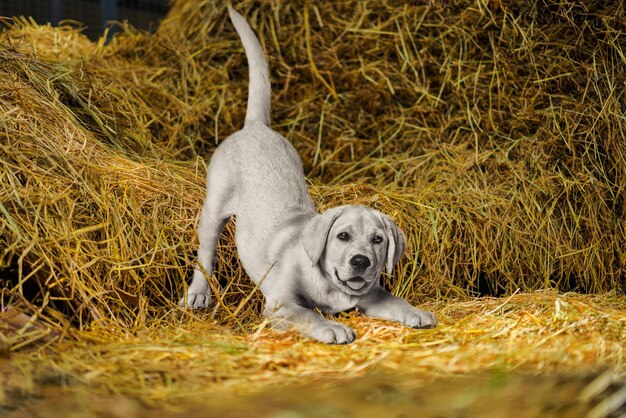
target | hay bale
[{"x": 492, "y": 133}]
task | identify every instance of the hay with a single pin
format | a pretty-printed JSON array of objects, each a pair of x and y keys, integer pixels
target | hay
[
  {"x": 175, "y": 364},
  {"x": 492, "y": 133}
]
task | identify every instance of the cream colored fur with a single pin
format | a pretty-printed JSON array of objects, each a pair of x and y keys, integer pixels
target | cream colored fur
[{"x": 304, "y": 261}]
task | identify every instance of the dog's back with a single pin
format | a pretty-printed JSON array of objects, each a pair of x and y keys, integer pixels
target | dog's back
[
  {"x": 265, "y": 171},
  {"x": 271, "y": 169}
]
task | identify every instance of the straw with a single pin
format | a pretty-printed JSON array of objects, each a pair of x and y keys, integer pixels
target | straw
[{"x": 491, "y": 132}]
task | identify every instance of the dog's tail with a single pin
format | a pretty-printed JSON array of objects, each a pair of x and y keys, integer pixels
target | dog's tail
[{"x": 259, "y": 89}]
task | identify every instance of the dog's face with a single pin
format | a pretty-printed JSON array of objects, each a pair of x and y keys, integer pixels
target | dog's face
[{"x": 351, "y": 244}]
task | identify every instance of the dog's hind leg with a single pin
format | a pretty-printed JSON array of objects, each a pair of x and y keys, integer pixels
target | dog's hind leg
[{"x": 216, "y": 212}]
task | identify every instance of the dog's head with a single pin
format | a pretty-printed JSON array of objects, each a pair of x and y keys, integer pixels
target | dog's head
[{"x": 351, "y": 244}]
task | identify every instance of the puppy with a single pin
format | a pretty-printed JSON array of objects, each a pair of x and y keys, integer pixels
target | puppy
[{"x": 301, "y": 261}]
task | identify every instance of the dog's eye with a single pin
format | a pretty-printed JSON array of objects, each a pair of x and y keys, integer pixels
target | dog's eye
[
  {"x": 344, "y": 236},
  {"x": 377, "y": 239}
]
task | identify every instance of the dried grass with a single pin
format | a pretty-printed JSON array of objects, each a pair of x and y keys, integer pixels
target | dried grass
[
  {"x": 492, "y": 133},
  {"x": 175, "y": 364}
]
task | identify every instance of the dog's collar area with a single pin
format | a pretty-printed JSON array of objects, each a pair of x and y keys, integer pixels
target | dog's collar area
[{"x": 355, "y": 283}]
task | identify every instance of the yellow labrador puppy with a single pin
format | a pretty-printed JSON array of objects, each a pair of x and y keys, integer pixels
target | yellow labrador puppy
[{"x": 301, "y": 261}]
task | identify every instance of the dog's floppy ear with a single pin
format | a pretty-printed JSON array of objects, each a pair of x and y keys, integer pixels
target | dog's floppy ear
[
  {"x": 397, "y": 243},
  {"x": 316, "y": 231}
]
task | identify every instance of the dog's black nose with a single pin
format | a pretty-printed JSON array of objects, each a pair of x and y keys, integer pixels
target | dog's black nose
[{"x": 360, "y": 262}]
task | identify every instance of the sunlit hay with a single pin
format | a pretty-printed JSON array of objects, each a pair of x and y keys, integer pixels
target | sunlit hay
[{"x": 174, "y": 364}]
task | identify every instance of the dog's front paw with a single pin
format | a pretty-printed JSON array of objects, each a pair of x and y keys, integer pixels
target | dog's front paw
[
  {"x": 416, "y": 318},
  {"x": 333, "y": 333},
  {"x": 196, "y": 300}
]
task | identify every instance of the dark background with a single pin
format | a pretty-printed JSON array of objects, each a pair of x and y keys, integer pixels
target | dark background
[{"x": 95, "y": 15}]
